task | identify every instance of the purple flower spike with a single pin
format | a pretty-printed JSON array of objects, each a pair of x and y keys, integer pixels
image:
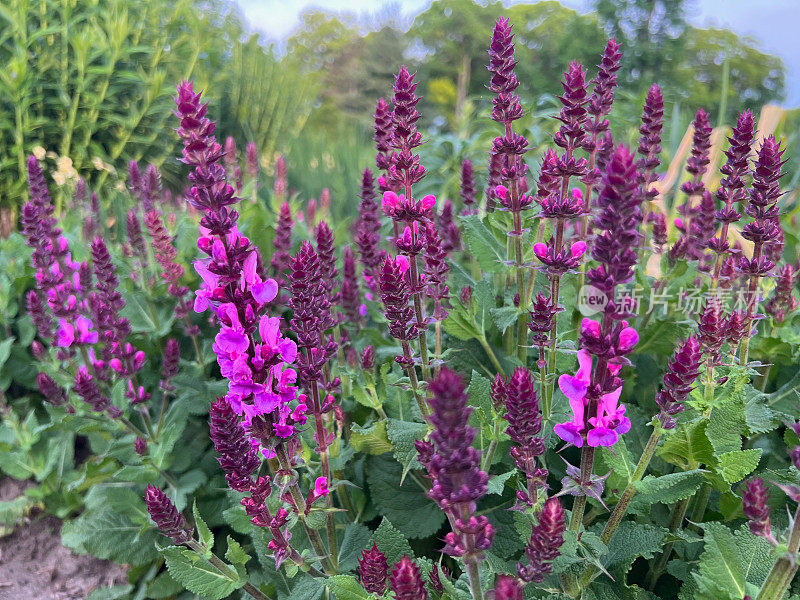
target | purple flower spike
[
  {"x": 405, "y": 169},
  {"x": 368, "y": 236},
  {"x": 650, "y": 141},
  {"x": 712, "y": 330},
  {"x": 373, "y": 570},
  {"x": 547, "y": 536},
  {"x": 451, "y": 236},
  {"x": 406, "y": 582},
  {"x": 166, "y": 517},
  {"x": 135, "y": 238},
  {"x": 238, "y": 457},
  {"x": 282, "y": 243},
  {"x": 350, "y": 293},
  {"x": 524, "y": 423},
  {"x": 436, "y": 270},
  {"x": 395, "y": 296},
  {"x": 507, "y": 588},
  {"x": 468, "y": 188},
  {"x": 384, "y": 130},
  {"x": 454, "y": 468},
  {"x": 782, "y": 301},
  {"x": 50, "y": 390},
  {"x": 683, "y": 370},
  {"x": 754, "y": 505}
]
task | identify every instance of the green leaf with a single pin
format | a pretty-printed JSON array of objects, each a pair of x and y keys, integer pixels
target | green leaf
[
  {"x": 5, "y": 349},
  {"x": 392, "y": 542},
  {"x": 631, "y": 541},
  {"x": 403, "y": 434},
  {"x": 235, "y": 553},
  {"x": 371, "y": 439},
  {"x": 726, "y": 425},
  {"x": 480, "y": 392},
  {"x": 687, "y": 446},
  {"x": 498, "y": 482},
  {"x": 667, "y": 489},
  {"x": 720, "y": 574},
  {"x": 163, "y": 586},
  {"x": 504, "y": 317},
  {"x": 198, "y": 575},
  {"x": 619, "y": 461},
  {"x": 738, "y": 464},
  {"x": 114, "y": 526},
  {"x": 206, "y": 537},
  {"x": 483, "y": 245},
  {"x": 407, "y": 505},
  {"x": 116, "y": 592},
  {"x": 760, "y": 418},
  {"x": 356, "y": 538},
  {"x": 346, "y": 587}
]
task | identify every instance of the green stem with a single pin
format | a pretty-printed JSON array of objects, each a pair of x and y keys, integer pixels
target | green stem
[
  {"x": 492, "y": 356},
  {"x": 785, "y": 568},
  {"x": 622, "y": 505},
  {"x": 225, "y": 570},
  {"x": 474, "y": 579},
  {"x": 678, "y": 513}
]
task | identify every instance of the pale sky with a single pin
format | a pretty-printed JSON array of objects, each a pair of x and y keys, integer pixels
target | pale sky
[{"x": 775, "y": 24}]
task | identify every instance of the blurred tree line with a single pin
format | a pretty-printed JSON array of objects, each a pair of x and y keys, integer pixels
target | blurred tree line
[
  {"x": 91, "y": 80},
  {"x": 446, "y": 44}
]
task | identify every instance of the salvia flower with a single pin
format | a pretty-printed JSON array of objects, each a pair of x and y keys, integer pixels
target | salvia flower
[
  {"x": 327, "y": 261},
  {"x": 436, "y": 270},
  {"x": 368, "y": 236},
  {"x": 383, "y": 134},
  {"x": 282, "y": 243},
  {"x": 171, "y": 270},
  {"x": 547, "y": 537},
  {"x": 468, "y": 188},
  {"x": 350, "y": 293},
  {"x": 135, "y": 238},
  {"x": 684, "y": 367},
  {"x": 51, "y": 391},
  {"x": 451, "y": 236},
  {"x": 754, "y": 505},
  {"x": 782, "y": 301},
  {"x": 260, "y": 384},
  {"x": 732, "y": 187},
  {"x": 395, "y": 295},
  {"x": 454, "y": 468},
  {"x": 169, "y": 521},
  {"x": 712, "y": 329},
  {"x": 507, "y": 588},
  {"x": 373, "y": 570},
  {"x": 598, "y": 108},
  {"x": 698, "y": 162},
  {"x": 405, "y": 169},
  {"x": 169, "y": 368},
  {"x": 406, "y": 581},
  {"x": 238, "y": 458},
  {"x": 140, "y": 446},
  {"x": 281, "y": 183},
  {"x": 650, "y": 140}
]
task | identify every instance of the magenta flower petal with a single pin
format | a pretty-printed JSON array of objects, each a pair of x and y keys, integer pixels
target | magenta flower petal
[
  {"x": 628, "y": 338},
  {"x": 569, "y": 432},
  {"x": 572, "y": 387},
  {"x": 601, "y": 436}
]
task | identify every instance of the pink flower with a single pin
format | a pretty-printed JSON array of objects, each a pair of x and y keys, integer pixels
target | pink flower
[
  {"x": 390, "y": 202},
  {"x": 610, "y": 421},
  {"x": 66, "y": 333},
  {"x": 577, "y": 249},
  {"x": 428, "y": 202},
  {"x": 540, "y": 248},
  {"x": 321, "y": 486}
]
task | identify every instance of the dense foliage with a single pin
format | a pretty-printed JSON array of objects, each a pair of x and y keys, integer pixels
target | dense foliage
[{"x": 576, "y": 381}]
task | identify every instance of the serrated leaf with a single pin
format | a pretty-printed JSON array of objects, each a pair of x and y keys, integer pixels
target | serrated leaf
[
  {"x": 371, "y": 439},
  {"x": 631, "y": 541},
  {"x": 356, "y": 539},
  {"x": 206, "y": 537},
  {"x": 235, "y": 553},
  {"x": 720, "y": 574},
  {"x": 480, "y": 392},
  {"x": 198, "y": 575},
  {"x": 483, "y": 245},
  {"x": 619, "y": 461},
  {"x": 667, "y": 489},
  {"x": 687, "y": 446},
  {"x": 498, "y": 482},
  {"x": 738, "y": 464},
  {"x": 407, "y": 505},
  {"x": 726, "y": 425},
  {"x": 391, "y": 542},
  {"x": 403, "y": 434},
  {"x": 504, "y": 317},
  {"x": 346, "y": 587}
]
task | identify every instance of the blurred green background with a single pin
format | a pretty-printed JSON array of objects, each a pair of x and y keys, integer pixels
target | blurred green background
[{"x": 88, "y": 83}]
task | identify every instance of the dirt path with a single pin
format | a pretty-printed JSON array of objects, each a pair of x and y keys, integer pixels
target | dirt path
[{"x": 35, "y": 566}]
